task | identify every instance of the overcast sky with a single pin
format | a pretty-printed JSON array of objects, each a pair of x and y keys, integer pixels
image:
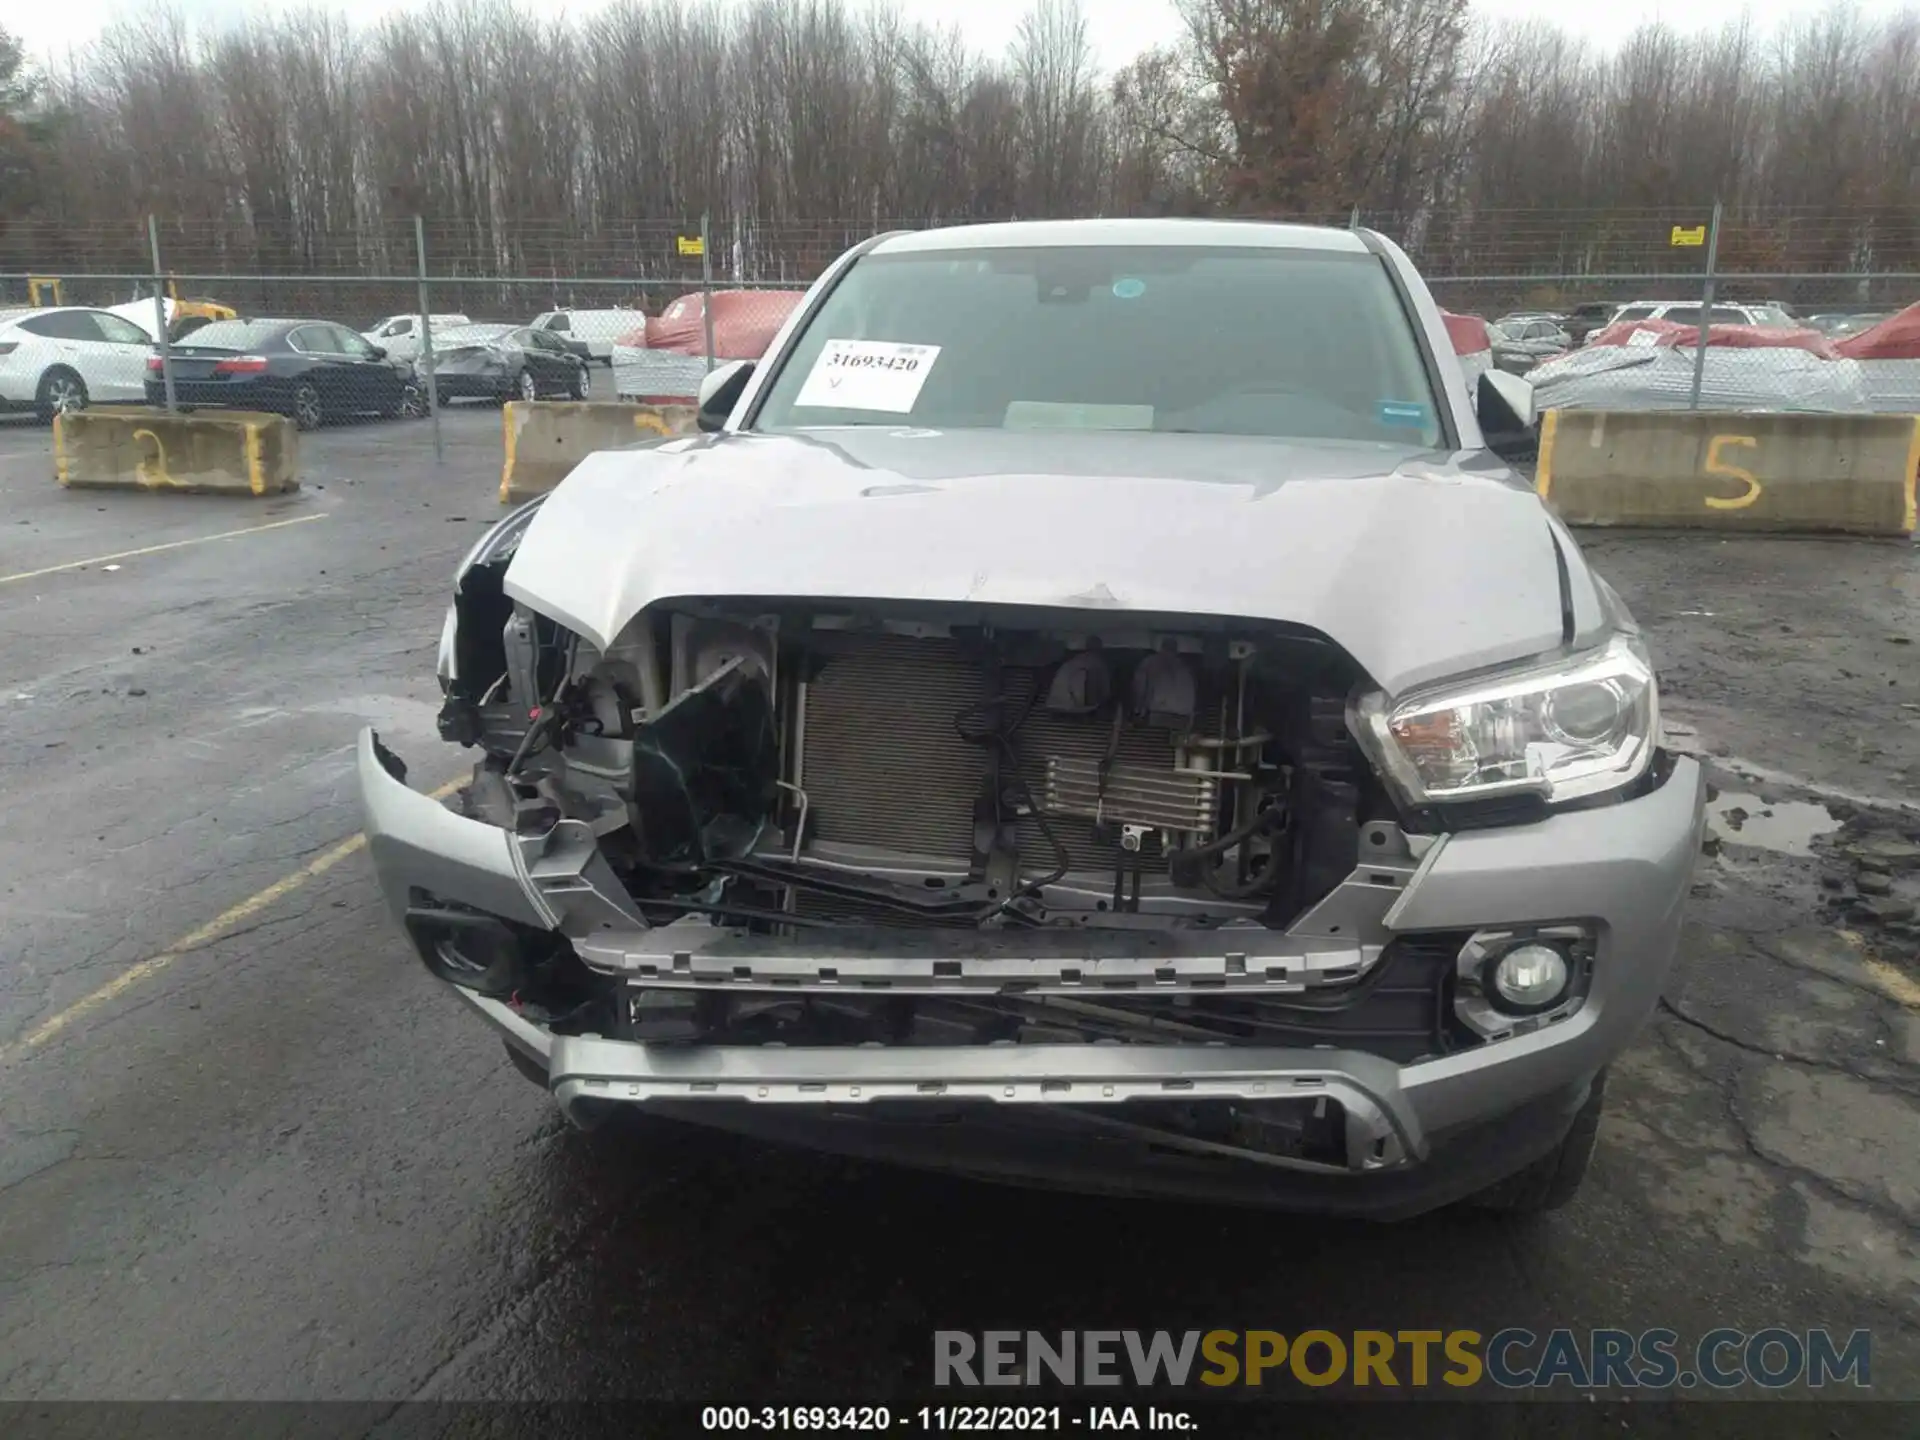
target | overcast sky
[{"x": 1120, "y": 28}]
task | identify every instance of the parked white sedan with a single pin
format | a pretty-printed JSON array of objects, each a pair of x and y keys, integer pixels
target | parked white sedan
[{"x": 63, "y": 358}]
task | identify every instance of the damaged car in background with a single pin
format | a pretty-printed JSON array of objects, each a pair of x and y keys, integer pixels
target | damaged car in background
[{"x": 1094, "y": 708}]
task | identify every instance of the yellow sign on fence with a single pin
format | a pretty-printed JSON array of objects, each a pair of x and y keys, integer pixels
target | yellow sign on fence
[
  {"x": 694, "y": 245},
  {"x": 1685, "y": 235}
]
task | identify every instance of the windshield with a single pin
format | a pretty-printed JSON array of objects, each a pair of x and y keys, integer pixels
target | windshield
[
  {"x": 1254, "y": 341},
  {"x": 236, "y": 334},
  {"x": 470, "y": 335}
]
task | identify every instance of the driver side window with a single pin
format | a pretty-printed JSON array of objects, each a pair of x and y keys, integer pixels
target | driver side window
[{"x": 119, "y": 331}]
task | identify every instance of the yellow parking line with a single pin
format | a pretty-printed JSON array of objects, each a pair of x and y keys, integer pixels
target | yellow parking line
[
  {"x": 156, "y": 549},
  {"x": 1896, "y": 985},
  {"x": 196, "y": 939}
]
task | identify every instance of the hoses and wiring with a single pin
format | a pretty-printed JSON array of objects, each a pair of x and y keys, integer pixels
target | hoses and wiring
[
  {"x": 538, "y": 724},
  {"x": 985, "y": 724}
]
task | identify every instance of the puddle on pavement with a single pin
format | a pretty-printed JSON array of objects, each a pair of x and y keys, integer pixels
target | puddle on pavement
[{"x": 1786, "y": 827}]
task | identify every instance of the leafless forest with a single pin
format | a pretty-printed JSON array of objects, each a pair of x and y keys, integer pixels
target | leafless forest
[{"x": 540, "y": 147}]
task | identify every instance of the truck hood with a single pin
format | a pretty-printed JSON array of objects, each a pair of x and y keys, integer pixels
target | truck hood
[{"x": 1419, "y": 564}]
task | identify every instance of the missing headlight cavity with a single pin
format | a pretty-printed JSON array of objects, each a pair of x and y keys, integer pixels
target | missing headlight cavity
[{"x": 780, "y": 768}]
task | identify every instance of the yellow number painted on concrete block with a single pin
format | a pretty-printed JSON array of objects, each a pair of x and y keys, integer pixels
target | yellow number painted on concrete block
[
  {"x": 1716, "y": 466},
  {"x": 152, "y": 472},
  {"x": 651, "y": 423}
]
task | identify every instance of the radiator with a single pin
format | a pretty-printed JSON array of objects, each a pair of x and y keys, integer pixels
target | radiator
[{"x": 884, "y": 765}]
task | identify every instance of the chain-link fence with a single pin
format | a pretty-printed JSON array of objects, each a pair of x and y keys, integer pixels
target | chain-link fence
[{"x": 1598, "y": 308}]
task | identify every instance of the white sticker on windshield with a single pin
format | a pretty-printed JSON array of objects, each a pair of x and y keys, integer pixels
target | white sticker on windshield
[
  {"x": 868, "y": 375},
  {"x": 1642, "y": 339}
]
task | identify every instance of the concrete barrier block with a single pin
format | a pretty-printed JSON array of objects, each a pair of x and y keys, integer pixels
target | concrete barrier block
[
  {"x": 227, "y": 452},
  {"x": 545, "y": 439},
  {"x": 1852, "y": 474}
]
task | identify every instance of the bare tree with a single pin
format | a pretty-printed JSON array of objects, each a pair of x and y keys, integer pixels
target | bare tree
[
  {"x": 1052, "y": 63},
  {"x": 299, "y": 144}
]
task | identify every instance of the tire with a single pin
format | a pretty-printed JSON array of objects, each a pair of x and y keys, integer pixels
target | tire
[
  {"x": 408, "y": 404},
  {"x": 529, "y": 387},
  {"x": 582, "y": 383},
  {"x": 60, "y": 392},
  {"x": 308, "y": 412},
  {"x": 1552, "y": 1180}
]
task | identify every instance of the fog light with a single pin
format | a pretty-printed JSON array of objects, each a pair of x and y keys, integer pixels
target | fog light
[
  {"x": 1510, "y": 982},
  {"x": 1529, "y": 977}
]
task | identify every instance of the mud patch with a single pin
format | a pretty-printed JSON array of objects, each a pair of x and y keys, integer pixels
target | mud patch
[{"x": 1785, "y": 827}]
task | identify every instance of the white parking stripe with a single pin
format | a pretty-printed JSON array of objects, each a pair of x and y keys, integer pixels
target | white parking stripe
[{"x": 156, "y": 549}]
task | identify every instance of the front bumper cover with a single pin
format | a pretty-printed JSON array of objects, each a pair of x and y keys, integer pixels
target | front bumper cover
[{"x": 1625, "y": 869}]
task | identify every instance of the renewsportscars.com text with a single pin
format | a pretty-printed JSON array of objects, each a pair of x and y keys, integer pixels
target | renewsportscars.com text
[{"x": 1516, "y": 1359}]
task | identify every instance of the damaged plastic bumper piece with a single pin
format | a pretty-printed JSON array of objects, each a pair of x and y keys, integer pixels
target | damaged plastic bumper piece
[
  {"x": 588, "y": 1073},
  {"x": 423, "y": 851}
]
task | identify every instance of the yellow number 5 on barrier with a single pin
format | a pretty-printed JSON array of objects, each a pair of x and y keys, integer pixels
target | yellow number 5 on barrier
[{"x": 1716, "y": 466}]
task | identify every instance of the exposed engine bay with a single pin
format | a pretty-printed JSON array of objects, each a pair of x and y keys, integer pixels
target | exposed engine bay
[
  {"x": 972, "y": 785},
  {"x": 790, "y": 767}
]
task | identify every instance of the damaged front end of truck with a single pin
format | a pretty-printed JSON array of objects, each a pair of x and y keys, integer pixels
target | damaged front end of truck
[
  {"x": 960, "y": 838},
  {"x": 1128, "y": 892}
]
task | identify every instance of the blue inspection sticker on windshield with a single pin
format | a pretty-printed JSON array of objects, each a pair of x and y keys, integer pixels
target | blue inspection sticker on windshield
[
  {"x": 1129, "y": 288},
  {"x": 1403, "y": 412}
]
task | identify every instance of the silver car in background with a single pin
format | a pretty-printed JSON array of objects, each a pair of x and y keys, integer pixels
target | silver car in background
[
  {"x": 1521, "y": 342},
  {"x": 1093, "y": 709}
]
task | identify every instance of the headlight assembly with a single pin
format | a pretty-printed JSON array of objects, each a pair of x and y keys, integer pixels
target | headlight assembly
[
  {"x": 501, "y": 541},
  {"x": 1578, "y": 727},
  {"x": 495, "y": 548}
]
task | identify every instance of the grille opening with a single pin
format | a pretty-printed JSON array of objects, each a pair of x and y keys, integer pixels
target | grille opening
[{"x": 1398, "y": 1010}]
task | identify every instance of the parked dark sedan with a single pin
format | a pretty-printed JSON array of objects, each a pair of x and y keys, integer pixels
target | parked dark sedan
[
  {"x": 1586, "y": 318},
  {"x": 505, "y": 362},
  {"x": 312, "y": 370}
]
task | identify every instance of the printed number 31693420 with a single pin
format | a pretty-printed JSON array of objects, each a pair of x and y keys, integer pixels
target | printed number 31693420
[
  {"x": 881, "y": 375},
  {"x": 842, "y": 360}
]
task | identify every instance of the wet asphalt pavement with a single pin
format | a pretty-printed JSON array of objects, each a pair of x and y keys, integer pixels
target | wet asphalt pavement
[{"x": 276, "y": 1161}]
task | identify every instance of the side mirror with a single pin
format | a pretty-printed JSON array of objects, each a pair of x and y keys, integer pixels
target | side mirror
[
  {"x": 379, "y": 351},
  {"x": 720, "y": 391},
  {"x": 1504, "y": 404}
]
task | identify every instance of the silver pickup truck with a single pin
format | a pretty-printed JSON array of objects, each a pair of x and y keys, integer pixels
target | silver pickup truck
[{"x": 1094, "y": 708}]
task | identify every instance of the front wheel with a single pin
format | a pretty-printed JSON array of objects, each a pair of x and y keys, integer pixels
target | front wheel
[
  {"x": 410, "y": 404},
  {"x": 1551, "y": 1181},
  {"x": 582, "y": 385},
  {"x": 529, "y": 387},
  {"x": 308, "y": 413},
  {"x": 60, "y": 392}
]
